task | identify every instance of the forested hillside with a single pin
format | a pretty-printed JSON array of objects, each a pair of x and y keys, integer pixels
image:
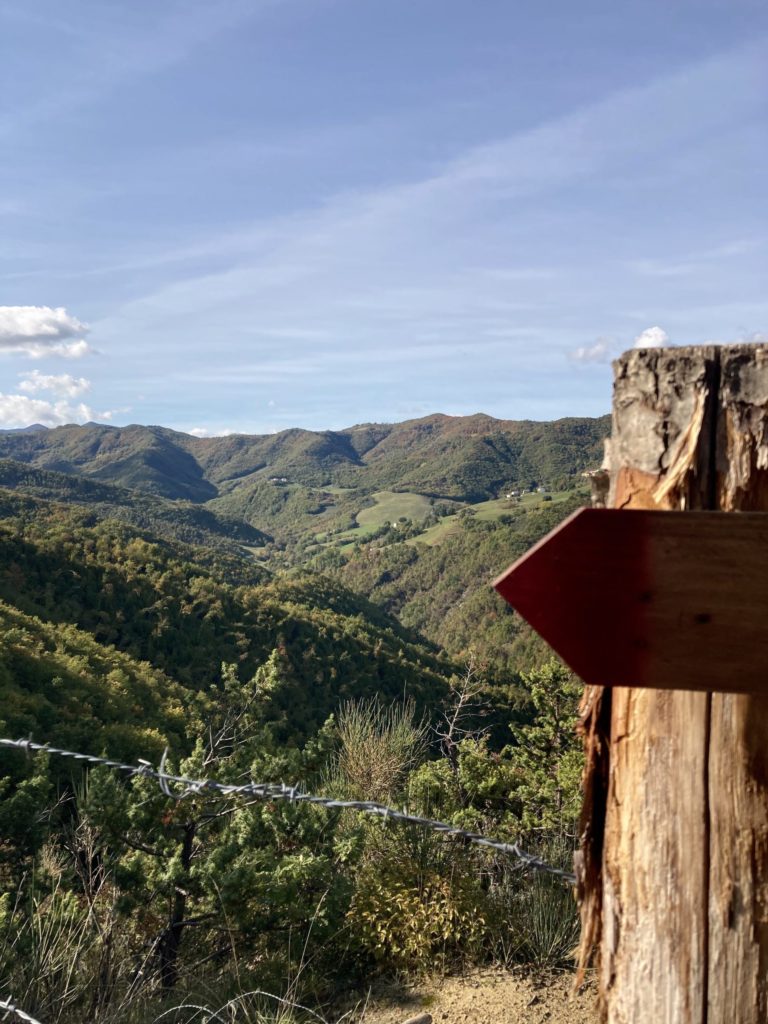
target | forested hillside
[
  {"x": 366, "y": 657},
  {"x": 300, "y": 483},
  {"x": 444, "y": 590},
  {"x": 186, "y": 612},
  {"x": 175, "y": 520},
  {"x": 466, "y": 458}
]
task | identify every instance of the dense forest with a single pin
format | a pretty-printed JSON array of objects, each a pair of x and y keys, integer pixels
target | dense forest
[{"x": 155, "y": 610}]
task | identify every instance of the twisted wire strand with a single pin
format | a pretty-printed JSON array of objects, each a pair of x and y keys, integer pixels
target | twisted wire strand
[
  {"x": 294, "y": 794},
  {"x": 9, "y": 1006}
]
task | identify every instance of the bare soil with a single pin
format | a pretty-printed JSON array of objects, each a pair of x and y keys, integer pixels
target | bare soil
[{"x": 483, "y": 997}]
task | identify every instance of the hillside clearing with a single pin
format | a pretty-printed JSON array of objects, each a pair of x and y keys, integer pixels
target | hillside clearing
[
  {"x": 391, "y": 506},
  {"x": 488, "y": 511}
]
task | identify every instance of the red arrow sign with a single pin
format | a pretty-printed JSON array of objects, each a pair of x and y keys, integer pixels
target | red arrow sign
[{"x": 675, "y": 600}]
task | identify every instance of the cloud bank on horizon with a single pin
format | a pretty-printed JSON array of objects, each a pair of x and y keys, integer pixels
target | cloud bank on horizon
[{"x": 281, "y": 214}]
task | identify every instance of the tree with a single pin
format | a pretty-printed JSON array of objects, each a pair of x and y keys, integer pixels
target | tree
[
  {"x": 210, "y": 864},
  {"x": 547, "y": 753}
]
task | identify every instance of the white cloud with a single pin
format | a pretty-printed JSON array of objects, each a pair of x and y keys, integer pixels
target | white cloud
[
  {"x": 652, "y": 337},
  {"x": 21, "y": 411},
  {"x": 73, "y": 350},
  {"x": 600, "y": 352},
  {"x": 207, "y": 432},
  {"x": 62, "y": 385},
  {"x": 39, "y": 331},
  {"x": 66, "y": 350},
  {"x": 108, "y": 414}
]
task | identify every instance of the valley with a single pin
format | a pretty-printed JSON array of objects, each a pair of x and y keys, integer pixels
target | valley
[
  {"x": 299, "y": 487},
  {"x": 307, "y": 608}
]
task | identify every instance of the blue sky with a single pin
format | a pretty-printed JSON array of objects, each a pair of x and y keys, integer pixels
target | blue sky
[{"x": 253, "y": 214}]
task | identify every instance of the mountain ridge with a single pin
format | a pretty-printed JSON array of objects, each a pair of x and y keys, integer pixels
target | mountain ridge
[{"x": 462, "y": 457}]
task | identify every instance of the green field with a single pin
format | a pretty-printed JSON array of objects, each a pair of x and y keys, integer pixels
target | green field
[
  {"x": 488, "y": 511},
  {"x": 390, "y": 506},
  {"x": 501, "y": 506}
]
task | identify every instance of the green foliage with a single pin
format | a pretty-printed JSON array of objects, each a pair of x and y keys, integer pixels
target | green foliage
[
  {"x": 414, "y": 923},
  {"x": 117, "y": 899},
  {"x": 378, "y": 747},
  {"x": 175, "y": 520},
  {"x": 410, "y": 904},
  {"x": 534, "y": 923},
  {"x": 547, "y": 753},
  {"x": 445, "y": 591},
  {"x": 60, "y": 685},
  {"x": 23, "y": 821},
  {"x": 158, "y": 603},
  {"x": 130, "y": 876}
]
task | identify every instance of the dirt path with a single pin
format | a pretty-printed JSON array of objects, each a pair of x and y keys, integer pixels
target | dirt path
[{"x": 484, "y": 997}]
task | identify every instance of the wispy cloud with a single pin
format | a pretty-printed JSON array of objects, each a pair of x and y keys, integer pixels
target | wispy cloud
[
  {"x": 479, "y": 270},
  {"x": 600, "y": 352},
  {"x": 696, "y": 262},
  {"x": 401, "y": 260},
  {"x": 119, "y": 45}
]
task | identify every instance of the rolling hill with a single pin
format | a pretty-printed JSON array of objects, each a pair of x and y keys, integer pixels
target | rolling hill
[
  {"x": 176, "y": 610},
  {"x": 301, "y": 483},
  {"x": 174, "y": 520}
]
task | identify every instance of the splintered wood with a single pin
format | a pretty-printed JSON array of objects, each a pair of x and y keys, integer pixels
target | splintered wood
[{"x": 673, "y": 870}]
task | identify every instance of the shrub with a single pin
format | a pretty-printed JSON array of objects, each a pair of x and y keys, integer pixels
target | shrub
[{"x": 408, "y": 923}]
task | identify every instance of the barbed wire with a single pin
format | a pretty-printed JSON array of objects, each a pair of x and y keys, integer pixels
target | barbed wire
[
  {"x": 294, "y": 794},
  {"x": 10, "y": 1007}
]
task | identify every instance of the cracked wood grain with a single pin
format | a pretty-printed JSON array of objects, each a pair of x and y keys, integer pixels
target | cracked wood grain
[
  {"x": 655, "y": 863},
  {"x": 738, "y": 751},
  {"x": 674, "y": 864}
]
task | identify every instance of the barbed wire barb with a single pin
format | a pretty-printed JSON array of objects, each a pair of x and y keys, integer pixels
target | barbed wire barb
[
  {"x": 280, "y": 791},
  {"x": 162, "y": 779},
  {"x": 10, "y": 1007}
]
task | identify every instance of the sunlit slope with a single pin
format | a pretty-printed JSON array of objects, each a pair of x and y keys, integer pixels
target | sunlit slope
[
  {"x": 464, "y": 457},
  {"x": 184, "y": 611}
]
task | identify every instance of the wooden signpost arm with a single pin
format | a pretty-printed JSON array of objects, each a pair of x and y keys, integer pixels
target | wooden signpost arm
[{"x": 674, "y": 861}]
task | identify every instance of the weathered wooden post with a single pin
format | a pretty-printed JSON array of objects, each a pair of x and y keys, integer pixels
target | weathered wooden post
[
  {"x": 673, "y": 869},
  {"x": 684, "y": 879}
]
